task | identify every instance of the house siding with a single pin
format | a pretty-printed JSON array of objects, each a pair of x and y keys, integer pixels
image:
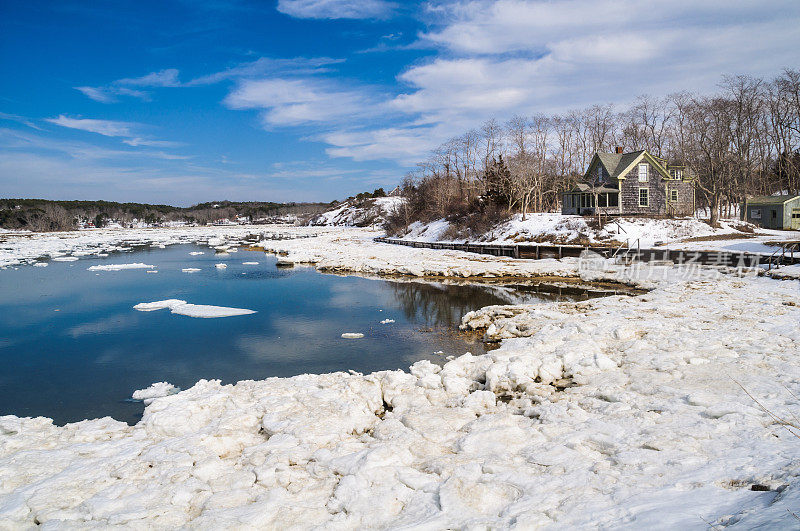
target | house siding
[{"x": 657, "y": 187}]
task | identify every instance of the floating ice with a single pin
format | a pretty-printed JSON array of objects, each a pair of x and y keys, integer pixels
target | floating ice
[
  {"x": 352, "y": 335},
  {"x": 196, "y": 253},
  {"x": 65, "y": 258},
  {"x": 40, "y": 264},
  {"x": 181, "y": 307},
  {"x": 249, "y": 263},
  {"x": 156, "y": 390},
  {"x": 151, "y": 271},
  {"x": 221, "y": 266},
  {"x": 120, "y": 267},
  {"x": 190, "y": 270},
  {"x": 387, "y": 321}
]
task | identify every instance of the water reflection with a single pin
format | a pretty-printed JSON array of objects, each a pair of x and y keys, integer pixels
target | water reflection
[{"x": 85, "y": 359}]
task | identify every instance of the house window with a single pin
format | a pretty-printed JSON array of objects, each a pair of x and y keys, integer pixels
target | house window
[
  {"x": 673, "y": 196},
  {"x": 599, "y": 173},
  {"x": 613, "y": 200},
  {"x": 676, "y": 174},
  {"x": 755, "y": 213},
  {"x": 643, "y": 173},
  {"x": 644, "y": 197},
  {"x": 602, "y": 200},
  {"x": 774, "y": 214}
]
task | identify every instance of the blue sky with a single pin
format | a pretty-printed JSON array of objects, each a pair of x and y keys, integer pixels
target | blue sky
[{"x": 186, "y": 101}]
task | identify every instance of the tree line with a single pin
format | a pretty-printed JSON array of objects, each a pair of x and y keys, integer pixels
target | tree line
[
  {"x": 743, "y": 140},
  {"x": 44, "y": 215}
]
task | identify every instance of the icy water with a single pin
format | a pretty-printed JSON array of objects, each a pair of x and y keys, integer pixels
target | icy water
[{"x": 73, "y": 347}]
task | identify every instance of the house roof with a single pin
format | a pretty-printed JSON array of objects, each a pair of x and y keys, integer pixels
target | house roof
[
  {"x": 615, "y": 163},
  {"x": 770, "y": 199}
]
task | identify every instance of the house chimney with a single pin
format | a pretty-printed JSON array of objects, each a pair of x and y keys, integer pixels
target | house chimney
[{"x": 619, "y": 150}]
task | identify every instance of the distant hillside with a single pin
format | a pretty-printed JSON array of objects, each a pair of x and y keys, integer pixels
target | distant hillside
[
  {"x": 359, "y": 212},
  {"x": 44, "y": 215}
]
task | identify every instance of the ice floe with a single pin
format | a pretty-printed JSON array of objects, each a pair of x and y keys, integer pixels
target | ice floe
[
  {"x": 352, "y": 335},
  {"x": 120, "y": 267},
  {"x": 181, "y": 307},
  {"x": 196, "y": 253},
  {"x": 190, "y": 269},
  {"x": 220, "y": 266},
  {"x": 249, "y": 263},
  {"x": 156, "y": 390},
  {"x": 387, "y": 321}
]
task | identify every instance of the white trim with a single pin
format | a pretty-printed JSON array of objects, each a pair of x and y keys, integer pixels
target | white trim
[
  {"x": 640, "y": 197},
  {"x": 644, "y": 176}
]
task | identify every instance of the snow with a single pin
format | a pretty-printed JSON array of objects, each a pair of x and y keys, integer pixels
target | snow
[
  {"x": 646, "y": 424},
  {"x": 181, "y": 307},
  {"x": 156, "y": 390},
  {"x": 119, "y": 267},
  {"x": 354, "y": 213},
  {"x": 352, "y": 335},
  {"x": 646, "y": 232}
]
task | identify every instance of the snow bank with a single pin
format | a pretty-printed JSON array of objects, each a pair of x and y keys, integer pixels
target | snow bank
[
  {"x": 359, "y": 213},
  {"x": 119, "y": 267},
  {"x": 558, "y": 228},
  {"x": 181, "y": 307},
  {"x": 645, "y": 425}
]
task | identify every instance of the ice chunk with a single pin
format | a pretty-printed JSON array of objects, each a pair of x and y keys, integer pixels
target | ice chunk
[
  {"x": 190, "y": 270},
  {"x": 196, "y": 253},
  {"x": 249, "y": 263},
  {"x": 387, "y": 321},
  {"x": 181, "y": 307},
  {"x": 156, "y": 390},
  {"x": 221, "y": 266},
  {"x": 352, "y": 335},
  {"x": 120, "y": 267},
  {"x": 40, "y": 264},
  {"x": 65, "y": 258},
  {"x": 158, "y": 305}
]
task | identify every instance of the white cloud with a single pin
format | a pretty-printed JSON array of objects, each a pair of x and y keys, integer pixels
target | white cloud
[
  {"x": 102, "y": 127},
  {"x": 299, "y": 101},
  {"x": 504, "y": 57},
  {"x": 333, "y": 9},
  {"x": 269, "y": 66},
  {"x": 162, "y": 78}
]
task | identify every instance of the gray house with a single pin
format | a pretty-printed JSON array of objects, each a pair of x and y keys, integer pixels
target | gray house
[
  {"x": 635, "y": 183},
  {"x": 773, "y": 211}
]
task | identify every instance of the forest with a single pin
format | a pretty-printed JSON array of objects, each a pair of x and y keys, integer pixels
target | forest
[
  {"x": 741, "y": 141},
  {"x": 44, "y": 215}
]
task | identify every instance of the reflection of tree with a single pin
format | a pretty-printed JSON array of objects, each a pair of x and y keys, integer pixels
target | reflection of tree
[{"x": 437, "y": 304}]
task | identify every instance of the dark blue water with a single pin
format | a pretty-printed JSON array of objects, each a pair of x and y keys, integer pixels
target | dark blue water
[{"x": 72, "y": 346}]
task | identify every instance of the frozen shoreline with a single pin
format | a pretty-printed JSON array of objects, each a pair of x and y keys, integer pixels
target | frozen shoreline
[{"x": 650, "y": 429}]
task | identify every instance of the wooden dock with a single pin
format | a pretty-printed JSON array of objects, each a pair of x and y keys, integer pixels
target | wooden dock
[{"x": 786, "y": 255}]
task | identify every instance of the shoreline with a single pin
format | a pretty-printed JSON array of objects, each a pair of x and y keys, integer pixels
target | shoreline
[{"x": 653, "y": 429}]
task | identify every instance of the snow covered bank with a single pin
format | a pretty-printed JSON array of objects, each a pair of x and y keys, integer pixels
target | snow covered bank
[
  {"x": 544, "y": 227},
  {"x": 646, "y": 426},
  {"x": 180, "y": 307},
  {"x": 18, "y": 249},
  {"x": 368, "y": 212}
]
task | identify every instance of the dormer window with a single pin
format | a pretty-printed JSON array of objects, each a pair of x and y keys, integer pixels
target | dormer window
[
  {"x": 599, "y": 173},
  {"x": 676, "y": 174},
  {"x": 643, "y": 173}
]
